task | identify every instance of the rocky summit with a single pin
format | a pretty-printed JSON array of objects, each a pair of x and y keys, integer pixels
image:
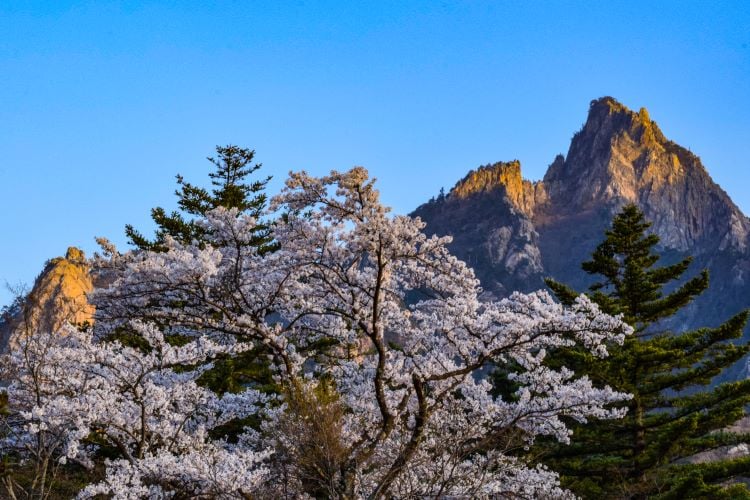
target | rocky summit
[
  {"x": 515, "y": 232},
  {"x": 59, "y": 296}
]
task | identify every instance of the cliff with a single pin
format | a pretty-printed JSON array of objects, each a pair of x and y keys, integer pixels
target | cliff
[
  {"x": 515, "y": 232},
  {"x": 57, "y": 297},
  {"x": 621, "y": 156},
  {"x": 524, "y": 195}
]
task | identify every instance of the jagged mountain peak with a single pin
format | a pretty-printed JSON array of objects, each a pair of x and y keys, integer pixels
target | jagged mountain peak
[
  {"x": 609, "y": 108},
  {"x": 514, "y": 232},
  {"x": 611, "y": 127},
  {"x": 622, "y": 156},
  {"x": 610, "y": 123}
]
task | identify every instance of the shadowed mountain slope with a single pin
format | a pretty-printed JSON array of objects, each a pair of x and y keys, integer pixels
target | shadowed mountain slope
[{"x": 515, "y": 232}]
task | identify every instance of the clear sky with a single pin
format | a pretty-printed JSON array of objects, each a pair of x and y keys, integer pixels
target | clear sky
[{"x": 102, "y": 103}]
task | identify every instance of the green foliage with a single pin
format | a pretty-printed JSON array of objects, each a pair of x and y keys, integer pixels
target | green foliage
[
  {"x": 230, "y": 190},
  {"x": 128, "y": 338},
  {"x": 674, "y": 413},
  {"x": 233, "y": 374}
]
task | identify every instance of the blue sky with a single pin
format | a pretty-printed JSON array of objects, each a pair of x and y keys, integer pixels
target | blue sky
[{"x": 102, "y": 103}]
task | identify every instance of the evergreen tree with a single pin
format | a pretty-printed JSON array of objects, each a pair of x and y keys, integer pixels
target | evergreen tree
[
  {"x": 230, "y": 190},
  {"x": 675, "y": 413}
]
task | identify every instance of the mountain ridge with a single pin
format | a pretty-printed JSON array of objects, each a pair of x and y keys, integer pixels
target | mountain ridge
[
  {"x": 646, "y": 164},
  {"x": 516, "y": 232}
]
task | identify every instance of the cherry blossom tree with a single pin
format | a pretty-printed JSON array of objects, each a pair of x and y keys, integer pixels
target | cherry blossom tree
[
  {"x": 77, "y": 394},
  {"x": 378, "y": 341}
]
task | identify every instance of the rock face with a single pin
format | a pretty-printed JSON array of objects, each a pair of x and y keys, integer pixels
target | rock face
[
  {"x": 488, "y": 213},
  {"x": 58, "y": 297},
  {"x": 621, "y": 156},
  {"x": 515, "y": 232}
]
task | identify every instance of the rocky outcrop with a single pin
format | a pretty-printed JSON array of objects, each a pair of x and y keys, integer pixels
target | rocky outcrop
[
  {"x": 502, "y": 245},
  {"x": 59, "y": 296},
  {"x": 621, "y": 156},
  {"x": 515, "y": 232},
  {"x": 522, "y": 194}
]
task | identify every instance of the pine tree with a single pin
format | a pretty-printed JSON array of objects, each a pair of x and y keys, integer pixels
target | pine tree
[
  {"x": 230, "y": 190},
  {"x": 675, "y": 412}
]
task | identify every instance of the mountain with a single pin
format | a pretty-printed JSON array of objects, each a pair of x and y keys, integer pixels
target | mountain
[
  {"x": 515, "y": 232},
  {"x": 57, "y": 297}
]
